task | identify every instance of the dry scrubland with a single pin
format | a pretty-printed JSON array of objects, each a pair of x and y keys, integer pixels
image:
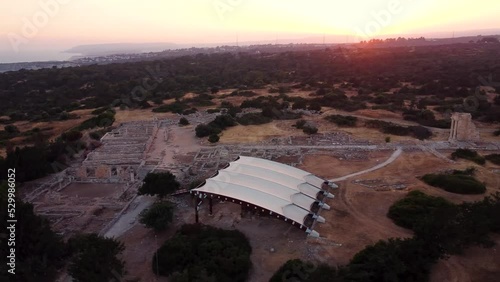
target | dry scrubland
[{"x": 358, "y": 215}]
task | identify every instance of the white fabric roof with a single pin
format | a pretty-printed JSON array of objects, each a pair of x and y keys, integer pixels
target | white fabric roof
[{"x": 282, "y": 189}]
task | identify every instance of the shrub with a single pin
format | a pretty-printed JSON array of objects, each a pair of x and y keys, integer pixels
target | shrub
[
  {"x": 214, "y": 138},
  {"x": 158, "y": 216},
  {"x": 222, "y": 122},
  {"x": 103, "y": 120},
  {"x": 468, "y": 155},
  {"x": 293, "y": 270},
  {"x": 300, "y": 124},
  {"x": 176, "y": 107},
  {"x": 414, "y": 208},
  {"x": 12, "y": 129},
  {"x": 494, "y": 158},
  {"x": 343, "y": 121},
  {"x": 455, "y": 183},
  {"x": 387, "y": 139},
  {"x": 310, "y": 129},
  {"x": 420, "y": 132},
  {"x": 496, "y": 133},
  {"x": 183, "y": 121},
  {"x": 203, "y": 253},
  {"x": 253, "y": 119},
  {"x": 71, "y": 136},
  {"x": 203, "y": 130},
  {"x": 212, "y": 111}
]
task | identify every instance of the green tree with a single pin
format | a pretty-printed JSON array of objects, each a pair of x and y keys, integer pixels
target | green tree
[
  {"x": 160, "y": 184},
  {"x": 158, "y": 216},
  {"x": 94, "y": 258},
  {"x": 221, "y": 255}
]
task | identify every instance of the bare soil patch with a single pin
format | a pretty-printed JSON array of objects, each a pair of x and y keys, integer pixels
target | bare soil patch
[{"x": 92, "y": 190}]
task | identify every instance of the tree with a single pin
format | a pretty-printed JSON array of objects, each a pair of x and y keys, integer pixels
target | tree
[
  {"x": 158, "y": 216},
  {"x": 94, "y": 258},
  {"x": 203, "y": 130},
  {"x": 40, "y": 252},
  {"x": 222, "y": 255},
  {"x": 11, "y": 129},
  {"x": 213, "y": 138},
  {"x": 183, "y": 121},
  {"x": 160, "y": 184}
]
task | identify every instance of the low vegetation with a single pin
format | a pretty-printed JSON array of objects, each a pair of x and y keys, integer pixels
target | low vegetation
[
  {"x": 494, "y": 158},
  {"x": 343, "y": 121},
  {"x": 455, "y": 183},
  {"x": 418, "y": 132},
  {"x": 253, "y": 119},
  {"x": 203, "y": 253},
  {"x": 470, "y": 155},
  {"x": 410, "y": 211}
]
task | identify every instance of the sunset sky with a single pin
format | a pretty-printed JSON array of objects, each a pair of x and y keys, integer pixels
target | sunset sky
[{"x": 27, "y": 29}]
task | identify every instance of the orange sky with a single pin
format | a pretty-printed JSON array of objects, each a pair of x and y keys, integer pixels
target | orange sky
[{"x": 65, "y": 23}]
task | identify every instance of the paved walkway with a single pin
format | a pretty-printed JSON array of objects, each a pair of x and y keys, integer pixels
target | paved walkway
[{"x": 393, "y": 157}]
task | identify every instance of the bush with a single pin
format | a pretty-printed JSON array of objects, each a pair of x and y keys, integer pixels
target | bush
[
  {"x": 415, "y": 208},
  {"x": 293, "y": 270},
  {"x": 158, "y": 216},
  {"x": 388, "y": 139},
  {"x": 496, "y": 133},
  {"x": 343, "y": 121},
  {"x": 11, "y": 129},
  {"x": 203, "y": 253},
  {"x": 222, "y": 122},
  {"x": 103, "y": 120},
  {"x": 468, "y": 155},
  {"x": 253, "y": 119},
  {"x": 204, "y": 130},
  {"x": 300, "y": 124},
  {"x": 494, "y": 158},
  {"x": 176, "y": 107},
  {"x": 310, "y": 129},
  {"x": 184, "y": 121},
  {"x": 71, "y": 136},
  {"x": 460, "y": 184},
  {"x": 214, "y": 138}
]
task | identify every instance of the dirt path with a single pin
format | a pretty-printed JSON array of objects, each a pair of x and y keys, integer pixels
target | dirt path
[{"x": 392, "y": 158}]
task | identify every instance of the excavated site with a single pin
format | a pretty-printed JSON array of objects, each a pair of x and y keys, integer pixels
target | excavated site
[{"x": 100, "y": 193}]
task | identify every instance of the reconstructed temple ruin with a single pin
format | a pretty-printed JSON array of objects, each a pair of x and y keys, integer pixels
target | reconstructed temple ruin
[{"x": 462, "y": 128}]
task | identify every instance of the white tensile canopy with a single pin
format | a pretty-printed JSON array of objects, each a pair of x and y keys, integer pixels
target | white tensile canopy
[{"x": 282, "y": 189}]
